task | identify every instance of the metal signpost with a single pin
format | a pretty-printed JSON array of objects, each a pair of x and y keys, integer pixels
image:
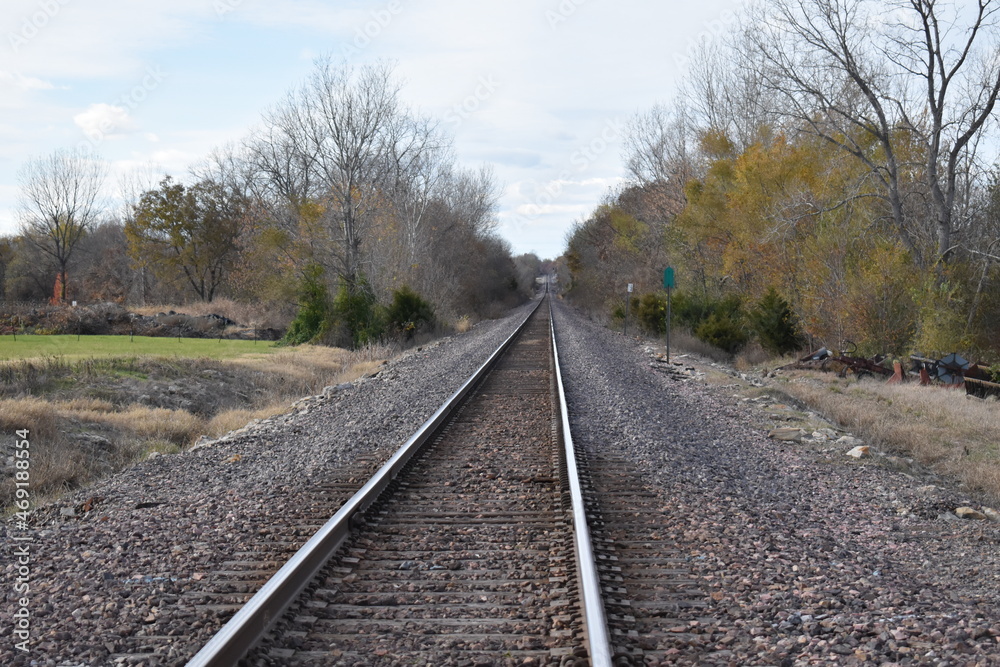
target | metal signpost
[
  {"x": 628, "y": 297},
  {"x": 668, "y": 283}
]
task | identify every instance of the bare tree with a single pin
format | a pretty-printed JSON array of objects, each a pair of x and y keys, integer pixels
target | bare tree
[
  {"x": 661, "y": 154},
  {"x": 472, "y": 195},
  {"x": 6, "y": 255},
  {"x": 660, "y": 145},
  {"x": 282, "y": 161},
  {"x": 342, "y": 145},
  {"x": 906, "y": 87},
  {"x": 359, "y": 136},
  {"x": 105, "y": 270},
  {"x": 60, "y": 203},
  {"x": 725, "y": 91},
  {"x": 417, "y": 183},
  {"x": 458, "y": 235}
]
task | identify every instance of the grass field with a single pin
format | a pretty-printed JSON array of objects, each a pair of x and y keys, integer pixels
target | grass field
[
  {"x": 92, "y": 347},
  {"x": 153, "y": 395}
]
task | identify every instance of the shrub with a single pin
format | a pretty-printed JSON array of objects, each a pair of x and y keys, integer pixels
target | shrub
[
  {"x": 942, "y": 326},
  {"x": 356, "y": 312},
  {"x": 652, "y": 312},
  {"x": 690, "y": 310},
  {"x": 312, "y": 321},
  {"x": 723, "y": 331},
  {"x": 408, "y": 313},
  {"x": 776, "y": 325},
  {"x": 687, "y": 310},
  {"x": 618, "y": 312}
]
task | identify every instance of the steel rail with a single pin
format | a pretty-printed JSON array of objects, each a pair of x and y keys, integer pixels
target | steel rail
[
  {"x": 263, "y": 610},
  {"x": 592, "y": 602}
]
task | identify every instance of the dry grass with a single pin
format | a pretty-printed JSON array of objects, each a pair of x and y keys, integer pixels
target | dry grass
[
  {"x": 59, "y": 424},
  {"x": 33, "y": 414},
  {"x": 230, "y": 420},
  {"x": 148, "y": 423},
  {"x": 753, "y": 354},
  {"x": 308, "y": 368},
  {"x": 463, "y": 324},
  {"x": 942, "y": 428},
  {"x": 54, "y": 466},
  {"x": 686, "y": 342}
]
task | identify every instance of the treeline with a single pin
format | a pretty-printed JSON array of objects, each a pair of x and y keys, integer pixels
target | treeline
[
  {"x": 340, "y": 194},
  {"x": 827, "y": 173}
]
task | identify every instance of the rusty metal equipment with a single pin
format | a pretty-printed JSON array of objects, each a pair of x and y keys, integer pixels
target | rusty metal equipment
[
  {"x": 955, "y": 371},
  {"x": 950, "y": 370},
  {"x": 981, "y": 388},
  {"x": 843, "y": 364}
]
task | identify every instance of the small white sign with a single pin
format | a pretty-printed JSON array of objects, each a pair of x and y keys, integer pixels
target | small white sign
[{"x": 630, "y": 288}]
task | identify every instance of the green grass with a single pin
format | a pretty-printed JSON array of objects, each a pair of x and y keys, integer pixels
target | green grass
[{"x": 89, "y": 347}]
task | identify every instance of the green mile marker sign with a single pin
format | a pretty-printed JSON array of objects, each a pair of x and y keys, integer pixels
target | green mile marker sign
[{"x": 668, "y": 278}]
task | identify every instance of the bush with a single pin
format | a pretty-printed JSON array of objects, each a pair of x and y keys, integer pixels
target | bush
[
  {"x": 652, "y": 313},
  {"x": 723, "y": 331},
  {"x": 618, "y": 312},
  {"x": 776, "y": 325},
  {"x": 356, "y": 312},
  {"x": 688, "y": 310},
  {"x": 312, "y": 321},
  {"x": 408, "y": 313}
]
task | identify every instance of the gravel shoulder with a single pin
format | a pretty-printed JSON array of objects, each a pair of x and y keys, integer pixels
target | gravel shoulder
[
  {"x": 806, "y": 556},
  {"x": 114, "y": 566}
]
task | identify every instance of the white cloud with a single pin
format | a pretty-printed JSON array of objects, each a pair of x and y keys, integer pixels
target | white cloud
[
  {"x": 8, "y": 214},
  {"x": 534, "y": 210},
  {"x": 603, "y": 183},
  {"x": 104, "y": 121},
  {"x": 24, "y": 82},
  {"x": 175, "y": 161}
]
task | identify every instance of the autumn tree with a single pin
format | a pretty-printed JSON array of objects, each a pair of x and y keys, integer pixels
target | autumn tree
[
  {"x": 186, "y": 233},
  {"x": 336, "y": 147},
  {"x": 724, "y": 91},
  {"x": 59, "y": 203},
  {"x": 106, "y": 272},
  {"x": 28, "y": 273},
  {"x": 829, "y": 150},
  {"x": 905, "y": 86}
]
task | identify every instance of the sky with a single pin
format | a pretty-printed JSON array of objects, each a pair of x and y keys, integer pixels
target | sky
[{"x": 541, "y": 90}]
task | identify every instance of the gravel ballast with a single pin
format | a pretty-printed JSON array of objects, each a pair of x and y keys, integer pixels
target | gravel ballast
[
  {"x": 804, "y": 560},
  {"x": 115, "y": 569}
]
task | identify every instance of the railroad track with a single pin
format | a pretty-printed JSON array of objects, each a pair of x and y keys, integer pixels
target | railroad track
[
  {"x": 472, "y": 546},
  {"x": 468, "y": 546},
  {"x": 651, "y": 600}
]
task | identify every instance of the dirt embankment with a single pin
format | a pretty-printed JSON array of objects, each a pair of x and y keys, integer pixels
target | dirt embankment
[
  {"x": 92, "y": 417},
  {"x": 114, "y": 319}
]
